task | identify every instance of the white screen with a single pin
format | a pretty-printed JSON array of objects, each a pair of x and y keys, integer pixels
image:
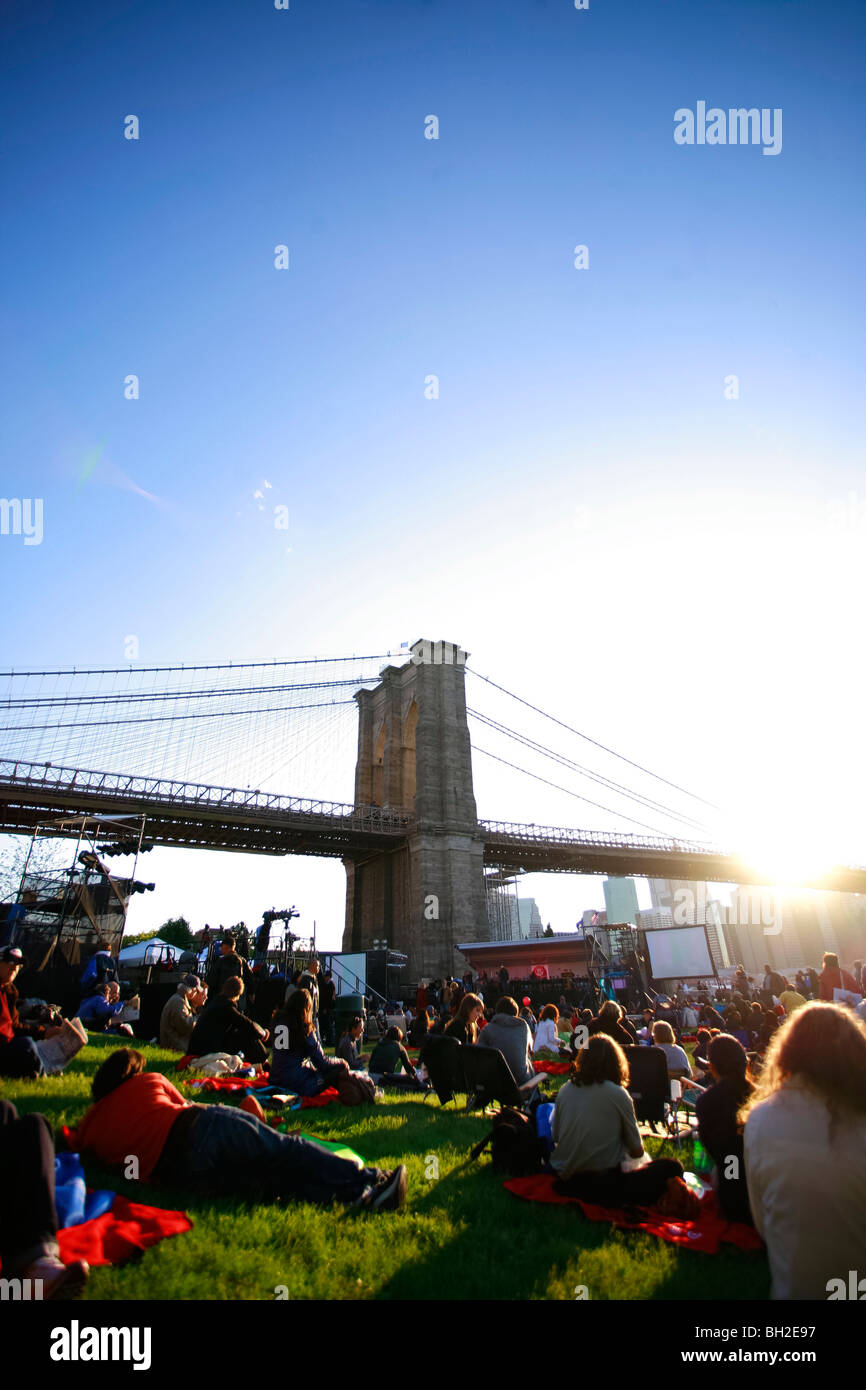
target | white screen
[{"x": 679, "y": 952}]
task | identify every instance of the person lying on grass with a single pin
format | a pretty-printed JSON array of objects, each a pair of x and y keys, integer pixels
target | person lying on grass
[{"x": 217, "y": 1150}]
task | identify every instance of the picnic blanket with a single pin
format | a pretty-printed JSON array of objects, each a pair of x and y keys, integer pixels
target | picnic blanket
[
  {"x": 706, "y": 1234},
  {"x": 100, "y": 1226},
  {"x": 227, "y": 1083},
  {"x": 126, "y": 1230},
  {"x": 552, "y": 1068},
  {"x": 314, "y": 1102}
]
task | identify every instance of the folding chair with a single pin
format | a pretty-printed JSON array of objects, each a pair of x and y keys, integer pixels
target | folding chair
[
  {"x": 442, "y": 1056},
  {"x": 648, "y": 1085},
  {"x": 489, "y": 1078}
]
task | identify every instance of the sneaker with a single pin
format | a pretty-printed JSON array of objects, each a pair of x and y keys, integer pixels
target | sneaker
[
  {"x": 252, "y": 1107},
  {"x": 389, "y": 1195},
  {"x": 59, "y": 1280}
]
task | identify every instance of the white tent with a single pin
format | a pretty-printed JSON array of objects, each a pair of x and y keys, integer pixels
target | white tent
[{"x": 151, "y": 952}]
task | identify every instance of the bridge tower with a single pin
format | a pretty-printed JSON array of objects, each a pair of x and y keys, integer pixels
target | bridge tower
[{"x": 413, "y": 753}]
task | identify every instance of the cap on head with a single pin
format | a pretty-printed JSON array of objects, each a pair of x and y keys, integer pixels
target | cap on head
[{"x": 12, "y": 955}]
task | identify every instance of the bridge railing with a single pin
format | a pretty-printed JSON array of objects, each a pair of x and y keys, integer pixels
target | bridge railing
[
  {"x": 171, "y": 792},
  {"x": 520, "y": 832}
]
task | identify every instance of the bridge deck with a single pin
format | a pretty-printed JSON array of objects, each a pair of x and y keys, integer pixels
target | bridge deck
[{"x": 188, "y": 815}]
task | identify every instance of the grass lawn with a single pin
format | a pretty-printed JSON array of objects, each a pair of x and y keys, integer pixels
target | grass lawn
[{"x": 460, "y": 1236}]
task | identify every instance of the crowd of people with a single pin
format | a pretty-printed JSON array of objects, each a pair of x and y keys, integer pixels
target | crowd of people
[{"x": 777, "y": 1077}]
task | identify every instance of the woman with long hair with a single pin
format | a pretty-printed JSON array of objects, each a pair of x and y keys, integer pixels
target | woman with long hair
[
  {"x": 719, "y": 1130},
  {"x": 546, "y": 1042},
  {"x": 608, "y": 1021},
  {"x": 804, "y": 1142},
  {"x": 299, "y": 1064},
  {"x": 595, "y": 1131},
  {"x": 218, "y": 1150},
  {"x": 464, "y": 1024}
]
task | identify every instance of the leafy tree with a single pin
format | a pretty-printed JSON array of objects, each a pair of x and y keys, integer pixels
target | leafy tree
[{"x": 176, "y": 932}]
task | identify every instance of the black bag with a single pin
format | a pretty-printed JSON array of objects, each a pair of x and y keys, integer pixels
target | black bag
[{"x": 515, "y": 1148}]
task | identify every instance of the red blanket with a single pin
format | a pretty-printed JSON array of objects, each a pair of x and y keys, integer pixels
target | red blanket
[
  {"x": 126, "y": 1230},
  {"x": 554, "y": 1068},
  {"x": 323, "y": 1098},
  {"x": 226, "y": 1083},
  {"x": 705, "y": 1234}
]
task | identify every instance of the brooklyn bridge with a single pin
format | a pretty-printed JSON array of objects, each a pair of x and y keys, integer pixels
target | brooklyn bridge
[{"x": 141, "y": 742}]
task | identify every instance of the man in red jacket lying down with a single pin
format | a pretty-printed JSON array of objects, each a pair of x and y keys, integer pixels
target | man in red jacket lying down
[{"x": 217, "y": 1149}]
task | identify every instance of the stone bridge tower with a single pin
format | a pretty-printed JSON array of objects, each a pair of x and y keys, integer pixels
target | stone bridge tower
[{"x": 427, "y": 894}]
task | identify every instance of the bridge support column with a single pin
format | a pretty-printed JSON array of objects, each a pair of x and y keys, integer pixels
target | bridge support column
[{"x": 413, "y": 752}]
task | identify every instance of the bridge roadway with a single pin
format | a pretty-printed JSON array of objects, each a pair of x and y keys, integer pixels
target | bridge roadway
[{"x": 187, "y": 815}]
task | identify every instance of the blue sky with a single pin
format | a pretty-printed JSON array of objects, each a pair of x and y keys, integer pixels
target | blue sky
[{"x": 581, "y": 507}]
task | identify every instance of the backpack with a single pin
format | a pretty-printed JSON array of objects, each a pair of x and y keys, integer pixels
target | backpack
[{"x": 515, "y": 1148}]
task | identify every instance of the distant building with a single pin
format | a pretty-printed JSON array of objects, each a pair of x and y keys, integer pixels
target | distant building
[
  {"x": 620, "y": 899},
  {"x": 511, "y": 918},
  {"x": 593, "y": 917},
  {"x": 654, "y": 918}
]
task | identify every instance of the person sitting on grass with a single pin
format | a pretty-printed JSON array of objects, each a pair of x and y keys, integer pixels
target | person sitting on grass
[
  {"x": 711, "y": 1018},
  {"x": 677, "y": 1058},
  {"x": 217, "y": 1150},
  {"x": 546, "y": 1043},
  {"x": 387, "y": 1059},
  {"x": 509, "y": 1034},
  {"x": 28, "y": 1216},
  {"x": 419, "y": 1028},
  {"x": 464, "y": 1024},
  {"x": 645, "y": 1032},
  {"x": 719, "y": 1131},
  {"x": 735, "y": 1027},
  {"x": 99, "y": 1011},
  {"x": 594, "y": 1130},
  {"x": 804, "y": 1142},
  {"x": 349, "y": 1045},
  {"x": 221, "y": 1027},
  {"x": 608, "y": 1022},
  {"x": 19, "y": 1055},
  {"x": 564, "y": 1027},
  {"x": 700, "y": 1058},
  {"x": 299, "y": 1063},
  {"x": 180, "y": 1014}
]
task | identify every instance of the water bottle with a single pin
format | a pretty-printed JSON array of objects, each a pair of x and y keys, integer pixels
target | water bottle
[{"x": 702, "y": 1161}]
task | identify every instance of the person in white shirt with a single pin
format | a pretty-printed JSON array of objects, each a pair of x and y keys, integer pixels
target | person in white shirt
[
  {"x": 677, "y": 1059},
  {"x": 804, "y": 1141},
  {"x": 546, "y": 1036}
]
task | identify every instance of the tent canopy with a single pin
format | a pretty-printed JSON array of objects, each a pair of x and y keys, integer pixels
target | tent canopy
[{"x": 149, "y": 952}]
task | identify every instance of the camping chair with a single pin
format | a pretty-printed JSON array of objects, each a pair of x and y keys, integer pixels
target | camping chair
[
  {"x": 489, "y": 1078},
  {"x": 648, "y": 1085},
  {"x": 442, "y": 1056}
]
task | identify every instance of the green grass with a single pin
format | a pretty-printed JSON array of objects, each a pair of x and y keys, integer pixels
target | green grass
[{"x": 461, "y": 1236}]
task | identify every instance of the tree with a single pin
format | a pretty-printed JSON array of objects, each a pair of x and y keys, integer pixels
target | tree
[
  {"x": 49, "y": 855},
  {"x": 177, "y": 933}
]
